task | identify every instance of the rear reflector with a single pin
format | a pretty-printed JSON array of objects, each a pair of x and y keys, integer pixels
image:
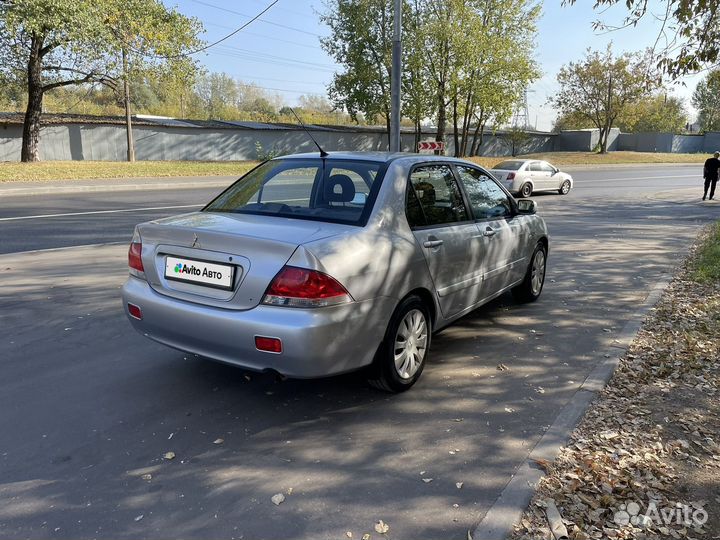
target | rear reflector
[
  {"x": 302, "y": 287},
  {"x": 135, "y": 257},
  {"x": 135, "y": 311},
  {"x": 268, "y": 344}
]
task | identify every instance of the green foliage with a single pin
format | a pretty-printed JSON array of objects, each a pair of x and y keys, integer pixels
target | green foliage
[
  {"x": 470, "y": 55},
  {"x": 51, "y": 44},
  {"x": 265, "y": 155},
  {"x": 600, "y": 86},
  {"x": 706, "y": 262},
  {"x": 706, "y": 99},
  {"x": 657, "y": 113},
  {"x": 572, "y": 120},
  {"x": 690, "y": 31},
  {"x": 361, "y": 41}
]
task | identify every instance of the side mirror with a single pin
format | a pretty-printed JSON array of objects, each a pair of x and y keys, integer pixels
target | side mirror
[
  {"x": 526, "y": 206},
  {"x": 359, "y": 199}
]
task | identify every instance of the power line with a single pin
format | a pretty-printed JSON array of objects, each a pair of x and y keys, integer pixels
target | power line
[
  {"x": 261, "y": 20},
  {"x": 256, "y": 17}
]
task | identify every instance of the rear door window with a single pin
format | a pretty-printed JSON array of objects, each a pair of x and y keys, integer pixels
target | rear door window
[{"x": 434, "y": 197}]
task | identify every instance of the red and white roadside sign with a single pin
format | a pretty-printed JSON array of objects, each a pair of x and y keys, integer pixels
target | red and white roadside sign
[{"x": 431, "y": 146}]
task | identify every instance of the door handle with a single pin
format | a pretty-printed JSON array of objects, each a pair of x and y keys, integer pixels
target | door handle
[
  {"x": 489, "y": 232},
  {"x": 432, "y": 243}
]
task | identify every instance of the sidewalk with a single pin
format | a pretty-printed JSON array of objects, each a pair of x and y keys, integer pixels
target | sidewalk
[{"x": 113, "y": 184}]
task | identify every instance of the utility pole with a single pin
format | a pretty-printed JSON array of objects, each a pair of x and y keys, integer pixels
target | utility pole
[
  {"x": 396, "y": 74},
  {"x": 128, "y": 116}
]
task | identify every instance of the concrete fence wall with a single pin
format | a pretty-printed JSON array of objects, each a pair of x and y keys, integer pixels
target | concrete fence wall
[{"x": 106, "y": 142}]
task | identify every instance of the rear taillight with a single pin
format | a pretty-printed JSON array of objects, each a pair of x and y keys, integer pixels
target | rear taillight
[
  {"x": 135, "y": 256},
  {"x": 511, "y": 176},
  {"x": 301, "y": 287}
]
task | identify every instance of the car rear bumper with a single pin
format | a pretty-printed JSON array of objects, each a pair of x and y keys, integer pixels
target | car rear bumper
[{"x": 315, "y": 342}]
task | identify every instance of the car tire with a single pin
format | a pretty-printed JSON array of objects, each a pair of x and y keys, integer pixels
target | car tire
[
  {"x": 531, "y": 287},
  {"x": 409, "y": 331},
  {"x": 526, "y": 190},
  {"x": 565, "y": 188}
]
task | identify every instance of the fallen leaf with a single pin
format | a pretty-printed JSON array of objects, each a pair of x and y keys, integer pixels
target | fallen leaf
[
  {"x": 348, "y": 534},
  {"x": 169, "y": 455},
  {"x": 427, "y": 480},
  {"x": 381, "y": 527},
  {"x": 147, "y": 477},
  {"x": 218, "y": 441},
  {"x": 459, "y": 484},
  {"x": 138, "y": 518},
  {"x": 277, "y": 499}
]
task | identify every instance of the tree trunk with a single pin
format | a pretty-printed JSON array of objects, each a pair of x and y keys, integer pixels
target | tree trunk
[
  {"x": 442, "y": 113},
  {"x": 31, "y": 126},
  {"x": 602, "y": 141},
  {"x": 456, "y": 133},
  {"x": 128, "y": 115},
  {"x": 418, "y": 134},
  {"x": 476, "y": 143}
]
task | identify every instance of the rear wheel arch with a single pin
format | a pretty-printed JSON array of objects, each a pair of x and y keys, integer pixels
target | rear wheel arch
[{"x": 427, "y": 298}]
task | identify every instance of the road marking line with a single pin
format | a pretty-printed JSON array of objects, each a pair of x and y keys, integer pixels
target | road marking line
[{"x": 95, "y": 212}]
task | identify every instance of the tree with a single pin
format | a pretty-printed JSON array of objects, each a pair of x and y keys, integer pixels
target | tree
[
  {"x": 706, "y": 99},
  {"x": 571, "y": 120},
  {"x": 657, "y": 113},
  {"x": 360, "y": 41},
  {"x": 689, "y": 31},
  {"x": 50, "y": 44},
  {"x": 599, "y": 87},
  {"x": 494, "y": 67}
]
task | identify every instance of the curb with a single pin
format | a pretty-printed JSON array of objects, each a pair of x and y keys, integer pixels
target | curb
[{"x": 508, "y": 508}]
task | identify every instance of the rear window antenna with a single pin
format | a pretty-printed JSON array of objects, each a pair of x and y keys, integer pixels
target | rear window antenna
[{"x": 323, "y": 153}]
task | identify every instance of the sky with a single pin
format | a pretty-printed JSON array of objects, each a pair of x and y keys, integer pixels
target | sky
[{"x": 281, "y": 50}]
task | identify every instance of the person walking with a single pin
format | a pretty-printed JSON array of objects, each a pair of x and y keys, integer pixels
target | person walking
[{"x": 710, "y": 174}]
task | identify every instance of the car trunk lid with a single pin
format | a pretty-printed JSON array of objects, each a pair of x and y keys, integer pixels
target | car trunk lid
[{"x": 254, "y": 248}]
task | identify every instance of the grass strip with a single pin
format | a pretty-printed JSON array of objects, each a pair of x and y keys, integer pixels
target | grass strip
[{"x": 86, "y": 170}]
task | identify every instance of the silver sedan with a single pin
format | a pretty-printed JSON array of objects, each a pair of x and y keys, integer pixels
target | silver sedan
[
  {"x": 527, "y": 176},
  {"x": 311, "y": 266}
]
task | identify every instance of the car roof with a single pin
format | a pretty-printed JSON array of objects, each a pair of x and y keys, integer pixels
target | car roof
[{"x": 379, "y": 157}]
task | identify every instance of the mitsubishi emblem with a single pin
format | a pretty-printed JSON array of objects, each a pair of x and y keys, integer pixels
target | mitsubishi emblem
[{"x": 195, "y": 242}]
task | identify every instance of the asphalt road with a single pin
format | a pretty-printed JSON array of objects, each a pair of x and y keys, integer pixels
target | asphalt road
[{"x": 88, "y": 407}]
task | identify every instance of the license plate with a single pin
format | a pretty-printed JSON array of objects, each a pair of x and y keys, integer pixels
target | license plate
[{"x": 207, "y": 274}]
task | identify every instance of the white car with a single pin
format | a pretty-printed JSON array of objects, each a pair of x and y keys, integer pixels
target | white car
[{"x": 523, "y": 177}]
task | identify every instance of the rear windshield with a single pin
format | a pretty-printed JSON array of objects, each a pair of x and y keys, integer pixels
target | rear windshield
[
  {"x": 325, "y": 190},
  {"x": 511, "y": 165}
]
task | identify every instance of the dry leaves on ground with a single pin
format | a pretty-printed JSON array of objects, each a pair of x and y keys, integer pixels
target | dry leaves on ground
[{"x": 659, "y": 413}]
